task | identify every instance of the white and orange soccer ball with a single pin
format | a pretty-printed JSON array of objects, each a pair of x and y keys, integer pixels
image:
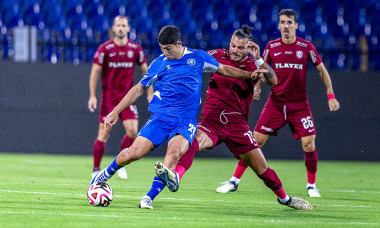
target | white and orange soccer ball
[{"x": 100, "y": 194}]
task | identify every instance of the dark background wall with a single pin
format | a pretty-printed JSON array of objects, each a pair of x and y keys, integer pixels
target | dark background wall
[{"x": 43, "y": 109}]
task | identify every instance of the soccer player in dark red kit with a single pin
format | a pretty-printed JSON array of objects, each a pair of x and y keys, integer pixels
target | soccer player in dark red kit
[
  {"x": 116, "y": 59},
  {"x": 288, "y": 102},
  {"x": 225, "y": 119}
]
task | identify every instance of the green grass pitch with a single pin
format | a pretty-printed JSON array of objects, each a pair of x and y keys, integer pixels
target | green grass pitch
[{"x": 50, "y": 191}]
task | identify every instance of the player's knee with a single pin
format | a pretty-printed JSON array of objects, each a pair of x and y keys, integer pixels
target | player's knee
[
  {"x": 129, "y": 155},
  {"x": 103, "y": 138},
  {"x": 260, "y": 138},
  {"x": 175, "y": 154},
  {"x": 132, "y": 134},
  {"x": 308, "y": 146}
]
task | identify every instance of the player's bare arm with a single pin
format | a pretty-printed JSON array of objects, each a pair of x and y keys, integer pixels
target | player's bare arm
[
  {"x": 130, "y": 98},
  {"x": 269, "y": 77},
  {"x": 94, "y": 76},
  {"x": 326, "y": 80},
  {"x": 233, "y": 72}
]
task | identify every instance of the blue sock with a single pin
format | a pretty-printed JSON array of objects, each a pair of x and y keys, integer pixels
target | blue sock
[
  {"x": 157, "y": 187},
  {"x": 113, "y": 167}
]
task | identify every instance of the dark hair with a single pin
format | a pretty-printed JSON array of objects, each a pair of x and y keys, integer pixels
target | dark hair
[
  {"x": 169, "y": 34},
  {"x": 289, "y": 13},
  {"x": 120, "y": 17},
  {"x": 244, "y": 33}
]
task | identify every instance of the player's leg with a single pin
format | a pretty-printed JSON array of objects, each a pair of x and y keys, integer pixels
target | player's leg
[
  {"x": 201, "y": 141},
  {"x": 232, "y": 184},
  {"x": 302, "y": 125},
  {"x": 99, "y": 147},
  {"x": 131, "y": 129},
  {"x": 140, "y": 147},
  {"x": 311, "y": 162},
  {"x": 129, "y": 118},
  {"x": 256, "y": 161}
]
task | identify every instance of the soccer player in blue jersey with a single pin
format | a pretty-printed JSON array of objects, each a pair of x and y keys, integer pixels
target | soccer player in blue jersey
[{"x": 177, "y": 75}]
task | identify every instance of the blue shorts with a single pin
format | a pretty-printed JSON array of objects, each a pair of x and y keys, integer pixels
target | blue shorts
[{"x": 160, "y": 128}]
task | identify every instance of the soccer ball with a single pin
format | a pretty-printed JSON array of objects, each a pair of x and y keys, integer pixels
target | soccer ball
[{"x": 100, "y": 194}]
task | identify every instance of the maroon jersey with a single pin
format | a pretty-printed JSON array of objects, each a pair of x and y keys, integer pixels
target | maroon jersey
[
  {"x": 290, "y": 61},
  {"x": 235, "y": 93},
  {"x": 118, "y": 65}
]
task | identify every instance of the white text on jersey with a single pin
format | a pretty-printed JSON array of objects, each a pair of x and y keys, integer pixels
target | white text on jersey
[
  {"x": 121, "y": 64},
  {"x": 288, "y": 65}
]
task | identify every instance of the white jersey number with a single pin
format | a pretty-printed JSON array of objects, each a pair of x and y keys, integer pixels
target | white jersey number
[
  {"x": 192, "y": 129},
  {"x": 307, "y": 122},
  {"x": 250, "y": 136}
]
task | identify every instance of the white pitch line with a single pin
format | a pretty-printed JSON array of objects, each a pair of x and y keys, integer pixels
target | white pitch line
[
  {"x": 187, "y": 219},
  {"x": 355, "y": 191},
  {"x": 174, "y": 199}
]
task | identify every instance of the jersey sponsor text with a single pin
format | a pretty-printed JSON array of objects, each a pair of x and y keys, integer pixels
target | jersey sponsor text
[{"x": 288, "y": 65}]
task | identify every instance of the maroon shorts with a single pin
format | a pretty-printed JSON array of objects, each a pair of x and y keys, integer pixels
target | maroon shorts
[
  {"x": 108, "y": 103},
  {"x": 230, "y": 128},
  {"x": 275, "y": 115}
]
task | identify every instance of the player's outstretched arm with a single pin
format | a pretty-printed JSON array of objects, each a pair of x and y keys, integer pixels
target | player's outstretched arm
[
  {"x": 326, "y": 80},
  {"x": 233, "y": 72},
  {"x": 128, "y": 99}
]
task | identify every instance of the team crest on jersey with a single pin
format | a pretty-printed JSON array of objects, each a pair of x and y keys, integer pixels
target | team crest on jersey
[
  {"x": 299, "y": 54},
  {"x": 130, "y": 54},
  {"x": 191, "y": 62}
]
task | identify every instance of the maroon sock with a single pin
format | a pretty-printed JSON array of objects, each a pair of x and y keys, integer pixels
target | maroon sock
[
  {"x": 98, "y": 152},
  {"x": 311, "y": 161},
  {"x": 240, "y": 169},
  {"x": 187, "y": 159},
  {"x": 126, "y": 142},
  {"x": 271, "y": 180}
]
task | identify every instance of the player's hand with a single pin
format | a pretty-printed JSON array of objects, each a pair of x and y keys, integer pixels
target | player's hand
[
  {"x": 253, "y": 49},
  {"x": 255, "y": 74},
  {"x": 257, "y": 92},
  {"x": 91, "y": 104},
  {"x": 110, "y": 120},
  {"x": 334, "y": 105}
]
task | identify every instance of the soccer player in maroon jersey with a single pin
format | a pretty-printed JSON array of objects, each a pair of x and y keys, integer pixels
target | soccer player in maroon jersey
[
  {"x": 225, "y": 118},
  {"x": 116, "y": 59},
  {"x": 288, "y": 103}
]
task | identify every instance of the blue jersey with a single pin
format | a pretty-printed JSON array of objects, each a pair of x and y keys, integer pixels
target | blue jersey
[{"x": 178, "y": 83}]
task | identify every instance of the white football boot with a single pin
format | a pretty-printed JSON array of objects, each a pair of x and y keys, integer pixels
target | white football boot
[
  {"x": 146, "y": 203},
  {"x": 227, "y": 186},
  {"x": 297, "y": 203}
]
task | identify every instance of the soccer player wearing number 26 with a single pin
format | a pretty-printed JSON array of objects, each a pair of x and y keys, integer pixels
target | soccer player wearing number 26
[
  {"x": 288, "y": 103},
  {"x": 177, "y": 75}
]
